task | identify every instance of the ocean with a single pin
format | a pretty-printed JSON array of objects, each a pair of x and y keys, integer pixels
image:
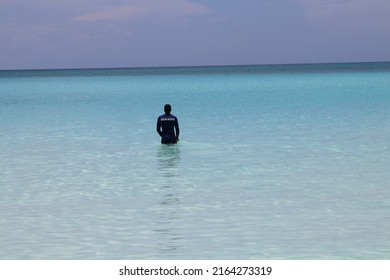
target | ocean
[{"x": 274, "y": 162}]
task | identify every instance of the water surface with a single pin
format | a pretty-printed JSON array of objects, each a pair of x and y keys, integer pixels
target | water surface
[{"x": 274, "y": 162}]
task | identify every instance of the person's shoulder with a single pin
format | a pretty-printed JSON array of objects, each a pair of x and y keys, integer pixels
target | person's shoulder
[{"x": 167, "y": 117}]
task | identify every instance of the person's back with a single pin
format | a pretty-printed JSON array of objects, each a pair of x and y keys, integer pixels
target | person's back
[{"x": 168, "y": 127}]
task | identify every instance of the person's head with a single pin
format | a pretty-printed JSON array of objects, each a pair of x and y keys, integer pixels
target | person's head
[{"x": 167, "y": 109}]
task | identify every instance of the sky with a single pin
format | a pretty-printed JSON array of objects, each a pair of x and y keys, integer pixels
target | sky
[{"x": 59, "y": 34}]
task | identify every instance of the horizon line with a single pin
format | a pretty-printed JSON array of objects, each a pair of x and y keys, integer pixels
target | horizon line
[{"x": 190, "y": 66}]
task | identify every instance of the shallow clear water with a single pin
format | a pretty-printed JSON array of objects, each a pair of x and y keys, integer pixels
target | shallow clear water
[{"x": 274, "y": 162}]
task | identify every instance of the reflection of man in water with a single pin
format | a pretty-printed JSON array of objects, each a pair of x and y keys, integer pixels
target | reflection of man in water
[{"x": 168, "y": 127}]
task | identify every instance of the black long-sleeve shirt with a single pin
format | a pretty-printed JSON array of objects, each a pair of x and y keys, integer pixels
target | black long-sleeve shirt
[{"x": 168, "y": 128}]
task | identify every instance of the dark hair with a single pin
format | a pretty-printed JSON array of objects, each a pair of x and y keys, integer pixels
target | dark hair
[{"x": 167, "y": 108}]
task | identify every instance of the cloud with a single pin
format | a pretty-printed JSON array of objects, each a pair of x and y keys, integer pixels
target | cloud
[
  {"x": 318, "y": 10},
  {"x": 144, "y": 8},
  {"x": 349, "y": 20}
]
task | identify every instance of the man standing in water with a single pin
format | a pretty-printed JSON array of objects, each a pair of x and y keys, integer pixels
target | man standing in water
[{"x": 168, "y": 127}]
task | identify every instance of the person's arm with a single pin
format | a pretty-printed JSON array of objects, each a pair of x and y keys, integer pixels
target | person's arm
[
  {"x": 177, "y": 129},
  {"x": 159, "y": 127}
]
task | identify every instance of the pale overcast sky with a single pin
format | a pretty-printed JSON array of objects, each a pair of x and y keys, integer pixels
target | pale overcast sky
[{"x": 36, "y": 34}]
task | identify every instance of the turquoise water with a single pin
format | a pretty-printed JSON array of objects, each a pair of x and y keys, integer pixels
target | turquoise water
[{"x": 274, "y": 162}]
